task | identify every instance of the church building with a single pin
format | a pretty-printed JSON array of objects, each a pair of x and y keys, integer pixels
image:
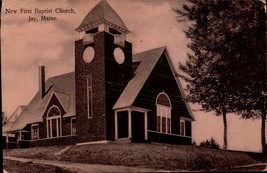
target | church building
[{"x": 111, "y": 96}]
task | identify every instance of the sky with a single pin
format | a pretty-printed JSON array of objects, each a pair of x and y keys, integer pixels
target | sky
[{"x": 26, "y": 45}]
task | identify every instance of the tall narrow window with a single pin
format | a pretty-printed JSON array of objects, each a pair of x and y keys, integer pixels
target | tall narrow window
[
  {"x": 89, "y": 97},
  {"x": 163, "y": 113},
  {"x": 168, "y": 125},
  {"x": 182, "y": 127},
  {"x": 158, "y": 123},
  {"x": 54, "y": 122},
  {"x": 35, "y": 131},
  {"x": 73, "y": 126}
]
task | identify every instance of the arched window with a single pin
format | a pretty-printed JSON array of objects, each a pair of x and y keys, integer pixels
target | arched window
[
  {"x": 53, "y": 122},
  {"x": 163, "y": 104}
]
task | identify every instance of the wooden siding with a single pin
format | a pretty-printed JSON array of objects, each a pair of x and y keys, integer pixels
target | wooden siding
[{"x": 162, "y": 80}]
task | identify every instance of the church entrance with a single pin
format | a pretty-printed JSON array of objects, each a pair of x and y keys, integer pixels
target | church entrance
[
  {"x": 123, "y": 124},
  {"x": 138, "y": 127},
  {"x": 131, "y": 123}
]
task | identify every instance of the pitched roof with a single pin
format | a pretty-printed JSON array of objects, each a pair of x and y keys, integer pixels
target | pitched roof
[
  {"x": 12, "y": 119},
  {"x": 16, "y": 113},
  {"x": 148, "y": 61},
  {"x": 102, "y": 13},
  {"x": 63, "y": 86},
  {"x": 64, "y": 99},
  {"x": 5, "y": 128}
]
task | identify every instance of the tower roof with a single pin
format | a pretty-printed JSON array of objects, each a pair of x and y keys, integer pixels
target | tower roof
[{"x": 102, "y": 13}]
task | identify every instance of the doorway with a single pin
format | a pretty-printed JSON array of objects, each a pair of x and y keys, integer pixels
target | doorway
[
  {"x": 123, "y": 124},
  {"x": 138, "y": 127}
]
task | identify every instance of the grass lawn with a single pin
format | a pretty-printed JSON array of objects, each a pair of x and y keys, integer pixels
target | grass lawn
[
  {"x": 157, "y": 156},
  {"x": 259, "y": 168},
  {"x": 19, "y": 167}
]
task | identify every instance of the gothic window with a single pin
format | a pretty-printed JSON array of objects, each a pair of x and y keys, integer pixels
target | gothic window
[
  {"x": 54, "y": 122},
  {"x": 163, "y": 104}
]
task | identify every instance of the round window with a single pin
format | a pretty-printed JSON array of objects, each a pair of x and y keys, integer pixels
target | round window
[
  {"x": 88, "y": 54},
  {"x": 119, "y": 55}
]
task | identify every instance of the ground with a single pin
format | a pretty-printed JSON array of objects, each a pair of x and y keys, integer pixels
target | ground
[
  {"x": 12, "y": 166},
  {"x": 152, "y": 156}
]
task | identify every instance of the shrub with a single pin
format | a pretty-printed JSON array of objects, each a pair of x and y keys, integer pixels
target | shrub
[
  {"x": 204, "y": 162},
  {"x": 210, "y": 144}
]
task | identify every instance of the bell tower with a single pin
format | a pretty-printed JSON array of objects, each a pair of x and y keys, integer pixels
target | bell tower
[{"x": 103, "y": 67}]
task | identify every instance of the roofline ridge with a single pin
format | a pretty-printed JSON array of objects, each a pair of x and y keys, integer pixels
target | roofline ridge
[
  {"x": 104, "y": 12},
  {"x": 77, "y": 29},
  {"x": 179, "y": 84},
  {"x": 104, "y": 6},
  {"x": 55, "y": 91},
  {"x": 161, "y": 47},
  {"x": 68, "y": 73}
]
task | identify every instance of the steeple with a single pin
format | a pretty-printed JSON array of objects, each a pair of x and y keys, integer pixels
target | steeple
[
  {"x": 102, "y": 13},
  {"x": 103, "y": 67}
]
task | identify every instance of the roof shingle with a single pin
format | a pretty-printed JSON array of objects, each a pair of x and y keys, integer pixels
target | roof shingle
[
  {"x": 63, "y": 86},
  {"x": 102, "y": 13},
  {"x": 148, "y": 61}
]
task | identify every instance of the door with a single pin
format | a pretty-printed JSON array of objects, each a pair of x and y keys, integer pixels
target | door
[
  {"x": 138, "y": 127},
  {"x": 123, "y": 124}
]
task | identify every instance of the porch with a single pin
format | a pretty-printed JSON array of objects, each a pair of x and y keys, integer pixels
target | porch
[
  {"x": 23, "y": 139},
  {"x": 131, "y": 124}
]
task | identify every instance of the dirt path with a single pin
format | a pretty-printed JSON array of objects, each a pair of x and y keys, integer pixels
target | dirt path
[
  {"x": 84, "y": 168},
  {"x": 88, "y": 168}
]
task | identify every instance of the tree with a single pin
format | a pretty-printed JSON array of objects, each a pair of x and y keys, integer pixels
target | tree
[
  {"x": 227, "y": 55},
  {"x": 4, "y": 119},
  {"x": 253, "y": 97}
]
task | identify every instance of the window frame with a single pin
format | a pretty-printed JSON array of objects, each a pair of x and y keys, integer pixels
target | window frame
[
  {"x": 38, "y": 131},
  {"x": 184, "y": 133},
  {"x": 164, "y": 113},
  {"x": 71, "y": 125},
  {"x": 49, "y": 125},
  {"x": 89, "y": 90}
]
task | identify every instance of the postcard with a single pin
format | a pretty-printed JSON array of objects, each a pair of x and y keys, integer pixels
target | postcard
[{"x": 80, "y": 72}]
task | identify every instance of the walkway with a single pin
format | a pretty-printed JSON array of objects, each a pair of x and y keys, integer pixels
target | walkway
[
  {"x": 88, "y": 168},
  {"x": 84, "y": 168}
]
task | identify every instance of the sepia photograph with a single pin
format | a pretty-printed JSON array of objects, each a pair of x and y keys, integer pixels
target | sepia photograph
[{"x": 134, "y": 86}]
